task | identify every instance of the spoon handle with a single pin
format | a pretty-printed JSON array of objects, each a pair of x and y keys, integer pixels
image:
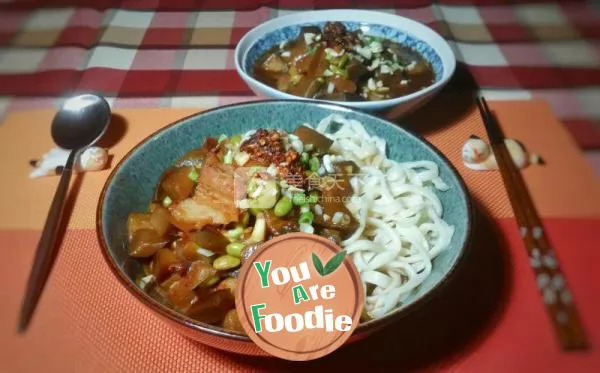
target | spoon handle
[{"x": 47, "y": 248}]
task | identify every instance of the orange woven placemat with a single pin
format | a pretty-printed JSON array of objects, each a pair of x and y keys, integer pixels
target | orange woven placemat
[{"x": 87, "y": 322}]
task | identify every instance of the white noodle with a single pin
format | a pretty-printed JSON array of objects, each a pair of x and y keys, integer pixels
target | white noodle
[{"x": 401, "y": 229}]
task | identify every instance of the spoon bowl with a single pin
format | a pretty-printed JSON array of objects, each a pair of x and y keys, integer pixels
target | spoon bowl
[{"x": 81, "y": 121}]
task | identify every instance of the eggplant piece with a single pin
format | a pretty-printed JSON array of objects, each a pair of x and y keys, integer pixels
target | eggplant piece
[
  {"x": 210, "y": 239},
  {"x": 213, "y": 308},
  {"x": 146, "y": 242},
  {"x": 283, "y": 83},
  {"x": 307, "y": 135},
  {"x": 274, "y": 64},
  {"x": 391, "y": 80},
  {"x": 313, "y": 88},
  {"x": 347, "y": 167},
  {"x": 137, "y": 221},
  {"x": 419, "y": 68},
  {"x": 344, "y": 85},
  {"x": 331, "y": 234},
  {"x": 306, "y": 86},
  {"x": 405, "y": 55},
  {"x": 278, "y": 226},
  {"x": 332, "y": 202},
  {"x": 166, "y": 263},
  {"x": 340, "y": 96},
  {"x": 376, "y": 96},
  {"x": 181, "y": 293},
  {"x": 229, "y": 283},
  {"x": 188, "y": 251},
  {"x": 176, "y": 184},
  {"x": 194, "y": 158},
  {"x": 344, "y": 171},
  {"x": 232, "y": 322},
  {"x": 356, "y": 70},
  {"x": 160, "y": 219},
  {"x": 310, "y": 30},
  {"x": 313, "y": 64}
]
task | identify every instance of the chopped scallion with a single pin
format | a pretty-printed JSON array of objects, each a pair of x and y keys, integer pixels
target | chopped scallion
[
  {"x": 236, "y": 139},
  {"x": 343, "y": 61},
  {"x": 167, "y": 201},
  {"x": 228, "y": 158},
  {"x": 204, "y": 252},
  {"x": 236, "y": 232},
  {"x": 299, "y": 199},
  {"x": 306, "y": 218},
  {"x": 222, "y": 138},
  {"x": 193, "y": 175}
]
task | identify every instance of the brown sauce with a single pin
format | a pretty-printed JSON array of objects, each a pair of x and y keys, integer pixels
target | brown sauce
[{"x": 335, "y": 64}]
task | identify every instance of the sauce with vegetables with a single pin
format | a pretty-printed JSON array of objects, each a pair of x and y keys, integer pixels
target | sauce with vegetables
[
  {"x": 339, "y": 65},
  {"x": 200, "y": 228}
]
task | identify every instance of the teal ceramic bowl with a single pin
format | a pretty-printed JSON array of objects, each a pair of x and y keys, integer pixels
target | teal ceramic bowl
[{"x": 131, "y": 185}]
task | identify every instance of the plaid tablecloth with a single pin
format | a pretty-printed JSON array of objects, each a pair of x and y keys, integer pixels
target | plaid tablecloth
[{"x": 179, "y": 53}]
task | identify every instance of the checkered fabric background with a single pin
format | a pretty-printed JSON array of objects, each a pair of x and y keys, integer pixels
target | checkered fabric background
[{"x": 179, "y": 53}]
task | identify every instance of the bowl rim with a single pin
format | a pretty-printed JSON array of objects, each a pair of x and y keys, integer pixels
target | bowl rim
[
  {"x": 449, "y": 64},
  {"x": 188, "y": 322}
]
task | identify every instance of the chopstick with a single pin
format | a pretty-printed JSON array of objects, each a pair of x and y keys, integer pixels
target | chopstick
[{"x": 550, "y": 280}]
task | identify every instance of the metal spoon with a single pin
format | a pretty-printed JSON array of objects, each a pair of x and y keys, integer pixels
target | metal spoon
[{"x": 80, "y": 122}]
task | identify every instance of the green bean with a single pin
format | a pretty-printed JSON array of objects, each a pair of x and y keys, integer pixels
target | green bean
[
  {"x": 236, "y": 232},
  {"x": 299, "y": 199},
  {"x": 314, "y": 164},
  {"x": 283, "y": 206},
  {"x": 210, "y": 281},
  {"x": 235, "y": 249},
  {"x": 306, "y": 218},
  {"x": 225, "y": 262}
]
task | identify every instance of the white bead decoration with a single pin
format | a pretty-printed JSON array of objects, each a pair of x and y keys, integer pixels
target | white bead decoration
[
  {"x": 566, "y": 297},
  {"x": 549, "y": 296},
  {"x": 543, "y": 280},
  {"x": 536, "y": 232},
  {"x": 523, "y": 231},
  {"x": 558, "y": 282}
]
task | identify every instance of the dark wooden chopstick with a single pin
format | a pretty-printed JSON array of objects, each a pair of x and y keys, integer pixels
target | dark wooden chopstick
[{"x": 550, "y": 280}]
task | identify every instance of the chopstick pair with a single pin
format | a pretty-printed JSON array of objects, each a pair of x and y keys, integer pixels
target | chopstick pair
[{"x": 550, "y": 280}]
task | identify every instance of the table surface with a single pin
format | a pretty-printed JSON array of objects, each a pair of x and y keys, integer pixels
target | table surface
[
  {"x": 179, "y": 54},
  {"x": 490, "y": 318}
]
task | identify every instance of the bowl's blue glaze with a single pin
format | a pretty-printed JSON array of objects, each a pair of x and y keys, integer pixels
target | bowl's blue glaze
[
  {"x": 273, "y": 38},
  {"x": 132, "y": 183}
]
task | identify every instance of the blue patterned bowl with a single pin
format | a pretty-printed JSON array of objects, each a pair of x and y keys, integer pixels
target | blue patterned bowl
[
  {"x": 402, "y": 30},
  {"x": 131, "y": 186}
]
